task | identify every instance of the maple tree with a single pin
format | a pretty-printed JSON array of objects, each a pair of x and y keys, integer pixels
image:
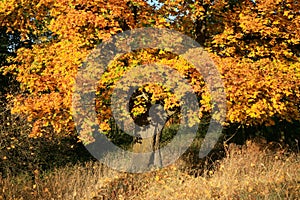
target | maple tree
[
  {"x": 255, "y": 45},
  {"x": 260, "y": 47},
  {"x": 63, "y": 33}
]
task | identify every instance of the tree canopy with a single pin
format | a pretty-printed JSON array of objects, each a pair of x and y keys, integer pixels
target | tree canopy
[{"x": 254, "y": 44}]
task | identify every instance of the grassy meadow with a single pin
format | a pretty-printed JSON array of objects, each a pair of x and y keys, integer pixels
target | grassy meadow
[{"x": 253, "y": 171}]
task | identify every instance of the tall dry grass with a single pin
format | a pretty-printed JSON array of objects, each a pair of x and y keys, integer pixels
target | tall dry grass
[
  {"x": 253, "y": 171},
  {"x": 248, "y": 172}
]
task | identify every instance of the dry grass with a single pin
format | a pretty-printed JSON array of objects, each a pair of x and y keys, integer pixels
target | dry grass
[
  {"x": 69, "y": 182},
  {"x": 246, "y": 173},
  {"x": 249, "y": 172}
]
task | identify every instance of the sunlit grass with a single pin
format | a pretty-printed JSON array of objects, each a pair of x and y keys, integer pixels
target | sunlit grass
[{"x": 248, "y": 172}]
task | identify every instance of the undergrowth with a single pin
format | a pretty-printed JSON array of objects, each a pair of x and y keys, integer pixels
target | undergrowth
[{"x": 251, "y": 171}]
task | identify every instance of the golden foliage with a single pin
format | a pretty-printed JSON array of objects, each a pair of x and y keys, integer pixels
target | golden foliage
[{"x": 255, "y": 45}]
